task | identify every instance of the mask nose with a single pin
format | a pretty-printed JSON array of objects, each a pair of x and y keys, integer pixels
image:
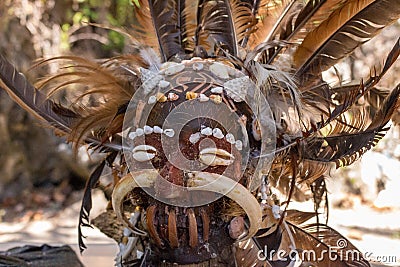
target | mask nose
[{"x": 169, "y": 174}]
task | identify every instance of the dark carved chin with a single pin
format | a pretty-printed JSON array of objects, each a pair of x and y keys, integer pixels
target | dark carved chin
[{"x": 187, "y": 235}]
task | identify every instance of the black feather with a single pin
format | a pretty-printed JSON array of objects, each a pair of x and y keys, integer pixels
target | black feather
[{"x": 86, "y": 206}]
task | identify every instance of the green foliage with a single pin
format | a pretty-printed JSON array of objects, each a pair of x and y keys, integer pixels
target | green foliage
[{"x": 115, "y": 13}]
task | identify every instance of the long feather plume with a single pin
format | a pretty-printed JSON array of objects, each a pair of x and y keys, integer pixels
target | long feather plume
[
  {"x": 28, "y": 97},
  {"x": 303, "y": 21},
  {"x": 212, "y": 19},
  {"x": 346, "y": 28},
  {"x": 268, "y": 13}
]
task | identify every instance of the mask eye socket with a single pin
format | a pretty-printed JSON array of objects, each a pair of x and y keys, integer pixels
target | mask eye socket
[
  {"x": 216, "y": 157},
  {"x": 143, "y": 153}
]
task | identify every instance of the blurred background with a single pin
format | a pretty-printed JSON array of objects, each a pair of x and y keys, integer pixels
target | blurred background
[{"x": 41, "y": 181}]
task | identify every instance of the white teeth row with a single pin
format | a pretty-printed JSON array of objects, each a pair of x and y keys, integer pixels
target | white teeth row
[
  {"x": 149, "y": 130},
  {"x": 217, "y": 133}
]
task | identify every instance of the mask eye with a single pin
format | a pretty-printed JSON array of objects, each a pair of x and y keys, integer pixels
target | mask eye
[
  {"x": 216, "y": 157},
  {"x": 143, "y": 153}
]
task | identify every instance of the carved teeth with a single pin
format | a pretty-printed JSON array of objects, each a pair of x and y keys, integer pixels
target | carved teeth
[
  {"x": 172, "y": 68},
  {"x": 198, "y": 66},
  {"x": 193, "y": 235},
  {"x": 216, "y": 157},
  {"x": 191, "y": 95},
  {"x": 169, "y": 132},
  {"x": 163, "y": 84},
  {"x": 239, "y": 145},
  {"x": 218, "y": 133},
  {"x": 217, "y": 99},
  {"x": 157, "y": 130},
  {"x": 219, "y": 70},
  {"x": 230, "y": 138},
  {"x": 172, "y": 97},
  {"x": 217, "y": 90},
  {"x": 203, "y": 181},
  {"x": 206, "y": 131},
  {"x": 143, "y": 153},
  {"x": 147, "y": 129},
  {"x": 203, "y": 98},
  {"x": 221, "y": 184},
  {"x": 194, "y": 138}
]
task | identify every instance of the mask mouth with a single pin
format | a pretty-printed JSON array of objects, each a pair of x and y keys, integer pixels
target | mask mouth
[{"x": 171, "y": 217}]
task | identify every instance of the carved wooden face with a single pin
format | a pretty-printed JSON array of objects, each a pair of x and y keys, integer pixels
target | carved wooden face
[{"x": 191, "y": 139}]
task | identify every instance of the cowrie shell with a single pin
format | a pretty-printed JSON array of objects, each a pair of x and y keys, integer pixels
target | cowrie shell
[
  {"x": 143, "y": 153},
  {"x": 216, "y": 157}
]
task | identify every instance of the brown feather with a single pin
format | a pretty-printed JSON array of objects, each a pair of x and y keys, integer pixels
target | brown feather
[
  {"x": 267, "y": 14},
  {"x": 351, "y": 25},
  {"x": 28, "y": 97}
]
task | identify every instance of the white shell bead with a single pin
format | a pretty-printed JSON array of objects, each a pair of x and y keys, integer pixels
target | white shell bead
[
  {"x": 172, "y": 96},
  {"x": 147, "y": 129},
  {"x": 203, "y": 98},
  {"x": 239, "y": 145},
  {"x": 139, "y": 132},
  {"x": 230, "y": 138},
  {"x": 198, "y": 66},
  {"x": 194, "y": 138},
  {"x": 172, "y": 68},
  {"x": 163, "y": 84},
  {"x": 132, "y": 135},
  {"x": 217, "y": 90},
  {"x": 152, "y": 99},
  {"x": 207, "y": 131},
  {"x": 157, "y": 129},
  {"x": 218, "y": 133},
  {"x": 169, "y": 132}
]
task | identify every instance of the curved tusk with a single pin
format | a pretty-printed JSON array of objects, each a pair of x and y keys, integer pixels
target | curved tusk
[
  {"x": 221, "y": 184},
  {"x": 125, "y": 186}
]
